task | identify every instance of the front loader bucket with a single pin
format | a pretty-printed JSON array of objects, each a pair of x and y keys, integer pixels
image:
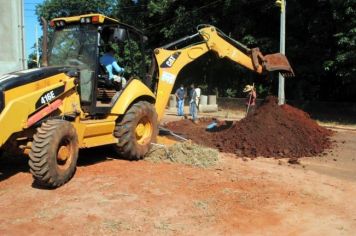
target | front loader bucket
[{"x": 278, "y": 62}]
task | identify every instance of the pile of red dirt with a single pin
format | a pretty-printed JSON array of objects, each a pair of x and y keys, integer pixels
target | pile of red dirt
[{"x": 272, "y": 131}]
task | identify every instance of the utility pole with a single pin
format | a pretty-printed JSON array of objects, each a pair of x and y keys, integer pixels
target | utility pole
[
  {"x": 37, "y": 49},
  {"x": 22, "y": 33},
  {"x": 282, "y": 49}
]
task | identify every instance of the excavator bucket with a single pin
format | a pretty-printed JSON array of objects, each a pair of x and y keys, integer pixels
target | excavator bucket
[{"x": 278, "y": 62}]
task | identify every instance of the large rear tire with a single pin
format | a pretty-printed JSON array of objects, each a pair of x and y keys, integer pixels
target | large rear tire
[
  {"x": 136, "y": 131},
  {"x": 54, "y": 153}
]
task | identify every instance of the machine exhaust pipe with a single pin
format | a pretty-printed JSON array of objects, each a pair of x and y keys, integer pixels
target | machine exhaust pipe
[{"x": 44, "y": 42}]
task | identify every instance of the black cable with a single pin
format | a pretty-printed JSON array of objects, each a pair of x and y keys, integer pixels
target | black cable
[{"x": 173, "y": 18}]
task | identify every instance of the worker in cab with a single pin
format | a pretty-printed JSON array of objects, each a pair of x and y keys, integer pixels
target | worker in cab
[
  {"x": 251, "y": 97},
  {"x": 180, "y": 95},
  {"x": 112, "y": 67}
]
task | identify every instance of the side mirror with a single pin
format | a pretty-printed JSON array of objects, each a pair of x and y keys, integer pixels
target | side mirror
[{"x": 120, "y": 35}]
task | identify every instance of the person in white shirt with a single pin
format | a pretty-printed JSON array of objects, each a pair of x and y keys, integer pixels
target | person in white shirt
[
  {"x": 193, "y": 106},
  {"x": 197, "y": 98}
]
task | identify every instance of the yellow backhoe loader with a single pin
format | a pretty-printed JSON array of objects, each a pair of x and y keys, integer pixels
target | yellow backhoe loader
[{"x": 53, "y": 111}]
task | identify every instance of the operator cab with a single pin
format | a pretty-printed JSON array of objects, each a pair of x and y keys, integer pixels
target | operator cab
[{"x": 79, "y": 42}]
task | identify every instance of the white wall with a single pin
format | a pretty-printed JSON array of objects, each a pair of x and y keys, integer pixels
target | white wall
[{"x": 12, "y": 48}]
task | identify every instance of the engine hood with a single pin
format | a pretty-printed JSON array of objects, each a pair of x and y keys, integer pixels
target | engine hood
[{"x": 18, "y": 78}]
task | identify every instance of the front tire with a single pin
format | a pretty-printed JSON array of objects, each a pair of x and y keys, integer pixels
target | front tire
[
  {"x": 54, "y": 153},
  {"x": 136, "y": 131}
]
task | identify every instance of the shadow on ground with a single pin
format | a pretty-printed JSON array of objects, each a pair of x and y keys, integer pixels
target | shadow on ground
[
  {"x": 11, "y": 165},
  {"x": 96, "y": 155}
]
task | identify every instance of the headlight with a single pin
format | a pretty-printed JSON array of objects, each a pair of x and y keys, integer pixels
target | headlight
[{"x": 86, "y": 20}]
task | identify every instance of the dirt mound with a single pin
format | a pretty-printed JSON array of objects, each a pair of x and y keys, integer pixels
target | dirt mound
[
  {"x": 272, "y": 131},
  {"x": 184, "y": 153}
]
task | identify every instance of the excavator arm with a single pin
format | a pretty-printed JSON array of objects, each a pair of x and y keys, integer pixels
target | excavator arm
[{"x": 169, "y": 62}]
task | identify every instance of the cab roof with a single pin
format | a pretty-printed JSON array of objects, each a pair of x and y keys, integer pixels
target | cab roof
[
  {"x": 94, "y": 18},
  {"x": 101, "y": 19}
]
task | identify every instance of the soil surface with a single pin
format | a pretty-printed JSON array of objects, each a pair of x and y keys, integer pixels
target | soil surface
[
  {"x": 235, "y": 197},
  {"x": 272, "y": 131}
]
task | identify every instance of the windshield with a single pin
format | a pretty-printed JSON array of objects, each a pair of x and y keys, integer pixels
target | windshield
[{"x": 74, "y": 45}]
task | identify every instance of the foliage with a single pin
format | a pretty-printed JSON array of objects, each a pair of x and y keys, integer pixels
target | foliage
[
  {"x": 230, "y": 93},
  {"x": 130, "y": 57},
  {"x": 50, "y": 9},
  {"x": 344, "y": 59},
  {"x": 31, "y": 61}
]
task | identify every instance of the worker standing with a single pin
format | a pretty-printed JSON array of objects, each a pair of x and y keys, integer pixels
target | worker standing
[
  {"x": 180, "y": 95},
  {"x": 250, "y": 99},
  {"x": 198, "y": 93},
  {"x": 192, "y": 103}
]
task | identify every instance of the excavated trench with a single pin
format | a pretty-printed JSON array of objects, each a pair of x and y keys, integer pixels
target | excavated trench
[{"x": 272, "y": 131}]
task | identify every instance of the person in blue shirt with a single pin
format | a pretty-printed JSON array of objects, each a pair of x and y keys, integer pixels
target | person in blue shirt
[
  {"x": 180, "y": 94},
  {"x": 109, "y": 62}
]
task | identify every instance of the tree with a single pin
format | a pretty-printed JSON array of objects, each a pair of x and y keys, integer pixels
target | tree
[
  {"x": 50, "y": 9},
  {"x": 31, "y": 61},
  {"x": 342, "y": 62}
]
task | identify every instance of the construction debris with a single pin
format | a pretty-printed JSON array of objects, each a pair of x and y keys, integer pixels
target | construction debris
[
  {"x": 184, "y": 153},
  {"x": 272, "y": 131}
]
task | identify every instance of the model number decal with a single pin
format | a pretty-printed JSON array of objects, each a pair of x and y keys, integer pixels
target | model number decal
[{"x": 49, "y": 96}]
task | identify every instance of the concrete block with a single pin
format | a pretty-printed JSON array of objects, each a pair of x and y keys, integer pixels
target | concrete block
[
  {"x": 203, "y": 100},
  {"x": 208, "y": 108},
  {"x": 212, "y": 100},
  {"x": 172, "y": 101}
]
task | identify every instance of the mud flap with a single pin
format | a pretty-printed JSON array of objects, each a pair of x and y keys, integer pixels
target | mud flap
[{"x": 278, "y": 62}]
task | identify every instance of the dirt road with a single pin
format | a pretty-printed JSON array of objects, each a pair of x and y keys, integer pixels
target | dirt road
[{"x": 117, "y": 197}]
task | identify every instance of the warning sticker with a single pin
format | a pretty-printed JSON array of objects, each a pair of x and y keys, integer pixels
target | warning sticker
[{"x": 168, "y": 77}]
